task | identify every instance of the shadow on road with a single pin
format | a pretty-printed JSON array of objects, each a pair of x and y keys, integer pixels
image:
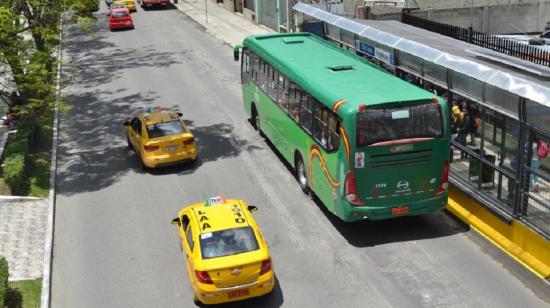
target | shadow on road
[
  {"x": 95, "y": 60},
  {"x": 215, "y": 142}
]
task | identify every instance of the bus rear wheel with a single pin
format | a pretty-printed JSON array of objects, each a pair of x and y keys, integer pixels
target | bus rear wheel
[
  {"x": 255, "y": 118},
  {"x": 301, "y": 175}
]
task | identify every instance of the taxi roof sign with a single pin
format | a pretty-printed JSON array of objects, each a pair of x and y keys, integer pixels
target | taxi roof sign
[{"x": 215, "y": 200}]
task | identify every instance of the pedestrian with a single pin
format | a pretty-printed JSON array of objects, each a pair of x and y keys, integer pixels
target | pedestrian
[
  {"x": 465, "y": 128},
  {"x": 535, "y": 164},
  {"x": 476, "y": 121}
]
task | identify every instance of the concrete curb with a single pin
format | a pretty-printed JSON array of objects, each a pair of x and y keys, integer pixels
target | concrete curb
[
  {"x": 45, "y": 297},
  {"x": 519, "y": 242},
  {"x": 17, "y": 199}
]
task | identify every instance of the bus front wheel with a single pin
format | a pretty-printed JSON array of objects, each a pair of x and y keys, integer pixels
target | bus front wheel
[{"x": 301, "y": 175}]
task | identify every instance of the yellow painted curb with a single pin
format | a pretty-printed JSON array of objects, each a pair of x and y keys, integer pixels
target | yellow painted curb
[{"x": 521, "y": 243}]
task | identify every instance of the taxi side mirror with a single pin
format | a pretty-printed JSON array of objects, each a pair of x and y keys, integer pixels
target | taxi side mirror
[
  {"x": 180, "y": 114},
  {"x": 252, "y": 208},
  {"x": 175, "y": 221},
  {"x": 126, "y": 123}
]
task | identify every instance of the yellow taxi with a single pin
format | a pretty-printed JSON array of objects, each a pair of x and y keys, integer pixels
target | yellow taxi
[
  {"x": 129, "y": 4},
  {"x": 160, "y": 138},
  {"x": 227, "y": 256}
]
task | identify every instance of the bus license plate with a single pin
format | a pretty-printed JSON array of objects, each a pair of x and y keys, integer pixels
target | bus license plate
[
  {"x": 402, "y": 210},
  {"x": 238, "y": 293}
]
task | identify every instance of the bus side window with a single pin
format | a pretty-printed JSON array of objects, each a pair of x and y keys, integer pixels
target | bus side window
[
  {"x": 255, "y": 68},
  {"x": 306, "y": 114},
  {"x": 294, "y": 102},
  {"x": 273, "y": 85},
  {"x": 333, "y": 132},
  {"x": 283, "y": 92},
  {"x": 263, "y": 75},
  {"x": 320, "y": 127},
  {"x": 245, "y": 66}
]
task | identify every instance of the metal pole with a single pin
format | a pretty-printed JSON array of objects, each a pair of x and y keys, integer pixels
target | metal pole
[
  {"x": 288, "y": 16},
  {"x": 472, "y": 14},
  {"x": 206, "y": 9}
]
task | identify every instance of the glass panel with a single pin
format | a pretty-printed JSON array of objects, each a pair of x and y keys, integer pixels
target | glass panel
[
  {"x": 409, "y": 61},
  {"x": 538, "y": 115},
  {"x": 467, "y": 85},
  {"x": 348, "y": 37},
  {"x": 435, "y": 72},
  {"x": 501, "y": 98}
]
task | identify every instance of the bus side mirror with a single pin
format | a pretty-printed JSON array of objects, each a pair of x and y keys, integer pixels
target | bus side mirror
[
  {"x": 236, "y": 54},
  {"x": 175, "y": 221},
  {"x": 252, "y": 208},
  {"x": 180, "y": 114}
]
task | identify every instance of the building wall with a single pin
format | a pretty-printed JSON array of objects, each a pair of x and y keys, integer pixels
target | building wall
[
  {"x": 490, "y": 16},
  {"x": 229, "y": 5}
]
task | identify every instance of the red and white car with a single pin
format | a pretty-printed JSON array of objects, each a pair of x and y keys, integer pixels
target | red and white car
[
  {"x": 120, "y": 19},
  {"x": 150, "y": 3}
]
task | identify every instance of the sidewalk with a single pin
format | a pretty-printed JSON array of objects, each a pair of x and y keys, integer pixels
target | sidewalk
[
  {"x": 222, "y": 24},
  {"x": 22, "y": 234}
]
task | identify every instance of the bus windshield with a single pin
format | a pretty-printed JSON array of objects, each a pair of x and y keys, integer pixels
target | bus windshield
[{"x": 390, "y": 123}]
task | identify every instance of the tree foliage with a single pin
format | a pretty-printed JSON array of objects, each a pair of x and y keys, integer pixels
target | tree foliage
[{"x": 29, "y": 40}]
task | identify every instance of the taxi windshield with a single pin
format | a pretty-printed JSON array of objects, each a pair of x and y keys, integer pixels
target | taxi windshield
[
  {"x": 228, "y": 242},
  {"x": 164, "y": 129}
]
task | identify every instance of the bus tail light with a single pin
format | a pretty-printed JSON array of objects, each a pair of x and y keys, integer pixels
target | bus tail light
[
  {"x": 350, "y": 190},
  {"x": 266, "y": 266},
  {"x": 203, "y": 277},
  {"x": 444, "y": 179},
  {"x": 150, "y": 148}
]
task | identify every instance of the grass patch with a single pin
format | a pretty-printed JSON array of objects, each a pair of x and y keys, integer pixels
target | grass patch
[
  {"x": 40, "y": 154},
  {"x": 36, "y": 144},
  {"x": 24, "y": 293}
]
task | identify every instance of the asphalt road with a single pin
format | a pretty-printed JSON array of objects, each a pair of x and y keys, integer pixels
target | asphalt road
[{"x": 114, "y": 245}]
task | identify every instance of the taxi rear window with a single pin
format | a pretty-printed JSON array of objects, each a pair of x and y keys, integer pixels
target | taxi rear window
[
  {"x": 228, "y": 242},
  {"x": 164, "y": 129}
]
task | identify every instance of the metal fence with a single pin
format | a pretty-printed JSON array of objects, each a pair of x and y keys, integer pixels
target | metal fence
[{"x": 509, "y": 47}]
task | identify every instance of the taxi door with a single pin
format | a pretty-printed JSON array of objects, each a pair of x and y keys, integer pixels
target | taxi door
[
  {"x": 188, "y": 245},
  {"x": 134, "y": 132}
]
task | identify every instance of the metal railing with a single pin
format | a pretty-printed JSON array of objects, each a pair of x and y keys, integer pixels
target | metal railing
[{"x": 530, "y": 53}]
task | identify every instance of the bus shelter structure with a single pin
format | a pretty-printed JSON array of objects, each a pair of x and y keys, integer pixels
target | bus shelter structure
[{"x": 500, "y": 162}]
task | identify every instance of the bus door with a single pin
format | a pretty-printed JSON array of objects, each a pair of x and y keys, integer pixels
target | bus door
[{"x": 400, "y": 154}]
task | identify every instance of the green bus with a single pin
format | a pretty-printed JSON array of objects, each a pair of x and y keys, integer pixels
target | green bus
[{"x": 368, "y": 144}]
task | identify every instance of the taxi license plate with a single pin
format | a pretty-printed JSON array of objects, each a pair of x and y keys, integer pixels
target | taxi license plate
[
  {"x": 171, "y": 148},
  {"x": 402, "y": 210},
  {"x": 238, "y": 293}
]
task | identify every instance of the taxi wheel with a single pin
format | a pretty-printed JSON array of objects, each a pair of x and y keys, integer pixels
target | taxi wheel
[
  {"x": 141, "y": 165},
  {"x": 301, "y": 175},
  {"x": 196, "y": 300}
]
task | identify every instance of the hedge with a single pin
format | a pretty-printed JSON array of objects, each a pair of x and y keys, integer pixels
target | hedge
[
  {"x": 15, "y": 162},
  {"x": 3, "y": 281}
]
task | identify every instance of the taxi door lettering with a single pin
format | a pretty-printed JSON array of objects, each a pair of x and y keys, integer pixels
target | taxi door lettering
[
  {"x": 203, "y": 218},
  {"x": 205, "y": 226}
]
